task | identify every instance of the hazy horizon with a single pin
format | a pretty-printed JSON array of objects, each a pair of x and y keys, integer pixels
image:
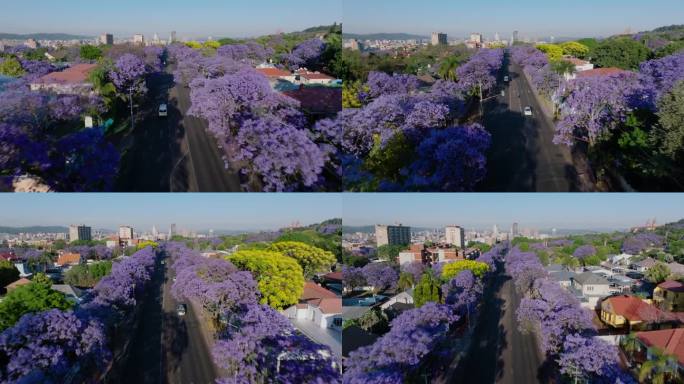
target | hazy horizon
[
  {"x": 532, "y": 18},
  {"x": 191, "y": 211},
  {"x": 567, "y": 211},
  {"x": 200, "y": 18}
]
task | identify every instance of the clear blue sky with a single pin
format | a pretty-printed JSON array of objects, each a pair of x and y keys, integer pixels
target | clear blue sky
[
  {"x": 530, "y": 17},
  {"x": 191, "y": 18},
  {"x": 190, "y": 211},
  {"x": 536, "y": 210}
]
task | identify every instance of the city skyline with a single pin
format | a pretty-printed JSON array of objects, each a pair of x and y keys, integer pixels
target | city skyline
[
  {"x": 533, "y": 18},
  {"x": 195, "y": 212},
  {"x": 564, "y": 211},
  {"x": 200, "y": 18}
]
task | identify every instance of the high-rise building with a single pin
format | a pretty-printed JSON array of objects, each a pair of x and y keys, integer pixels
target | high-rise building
[
  {"x": 354, "y": 45},
  {"x": 79, "y": 232},
  {"x": 155, "y": 39},
  {"x": 155, "y": 234},
  {"x": 125, "y": 232},
  {"x": 139, "y": 39},
  {"x": 455, "y": 235},
  {"x": 438, "y": 38},
  {"x": 497, "y": 37},
  {"x": 172, "y": 231},
  {"x": 476, "y": 38},
  {"x": 515, "y": 37},
  {"x": 106, "y": 39},
  {"x": 392, "y": 235},
  {"x": 495, "y": 232},
  {"x": 173, "y": 37},
  {"x": 31, "y": 43},
  {"x": 514, "y": 230}
]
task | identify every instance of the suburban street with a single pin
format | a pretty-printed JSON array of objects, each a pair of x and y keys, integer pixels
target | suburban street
[
  {"x": 174, "y": 153},
  {"x": 522, "y": 157},
  {"x": 499, "y": 353},
  {"x": 168, "y": 348}
]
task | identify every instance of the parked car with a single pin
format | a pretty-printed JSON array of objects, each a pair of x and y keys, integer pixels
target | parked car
[
  {"x": 181, "y": 309},
  {"x": 163, "y": 110},
  {"x": 506, "y": 79},
  {"x": 528, "y": 111}
]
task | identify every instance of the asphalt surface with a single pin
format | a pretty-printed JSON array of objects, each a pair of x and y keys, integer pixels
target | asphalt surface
[
  {"x": 174, "y": 153},
  {"x": 499, "y": 353},
  {"x": 523, "y": 157},
  {"x": 168, "y": 348}
]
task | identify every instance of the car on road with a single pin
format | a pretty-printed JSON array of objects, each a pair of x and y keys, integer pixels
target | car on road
[
  {"x": 506, "y": 79},
  {"x": 528, "y": 111},
  {"x": 181, "y": 309},
  {"x": 163, "y": 110}
]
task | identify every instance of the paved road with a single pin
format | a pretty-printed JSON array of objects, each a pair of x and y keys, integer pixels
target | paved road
[
  {"x": 523, "y": 157},
  {"x": 168, "y": 348},
  {"x": 499, "y": 353},
  {"x": 173, "y": 154},
  {"x": 187, "y": 356}
]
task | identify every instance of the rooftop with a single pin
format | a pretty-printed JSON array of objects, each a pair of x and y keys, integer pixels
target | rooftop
[
  {"x": 631, "y": 308},
  {"x": 600, "y": 72},
  {"x": 671, "y": 341},
  {"x": 318, "y": 99},
  {"x": 585, "y": 278},
  {"x": 74, "y": 75},
  {"x": 273, "y": 72},
  {"x": 672, "y": 285}
]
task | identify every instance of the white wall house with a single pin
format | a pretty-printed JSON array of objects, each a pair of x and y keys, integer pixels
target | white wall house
[
  {"x": 405, "y": 297},
  {"x": 319, "y": 305},
  {"x": 591, "y": 288}
]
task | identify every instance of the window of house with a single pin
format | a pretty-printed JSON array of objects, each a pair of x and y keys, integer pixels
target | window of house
[{"x": 337, "y": 321}]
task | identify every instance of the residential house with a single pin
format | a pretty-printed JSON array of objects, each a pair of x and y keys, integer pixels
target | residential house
[
  {"x": 333, "y": 281},
  {"x": 590, "y": 288},
  {"x": 12, "y": 286},
  {"x": 580, "y": 66},
  {"x": 405, "y": 297},
  {"x": 676, "y": 268},
  {"x": 415, "y": 253},
  {"x": 600, "y": 72},
  {"x": 621, "y": 259},
  {"x": 321, "y": 306},
  {"x": 669, "y": 296},
  {"x": 68, "y": 258},
  {"x": 564, "y": 278},
  {"x": 632, "y": 313},
  {"x": 71, "y": 81},
  {"x": 644, "y": 265},
  {"x": 304, "y": 76},
  {"x": 669, "y": 341}
]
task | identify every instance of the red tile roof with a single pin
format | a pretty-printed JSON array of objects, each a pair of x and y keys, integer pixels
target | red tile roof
[
  {"x": 69, "y": 258},
  {"x": 671, "y": 341},
  {"x": 632, "y": 308},
  {"x": 318, "y": 99},
  {"x": 273, "y": 72},
  {"x": 316, "y": 76},
  {"x": 336, "y": 276},
  {"x": 576, "y": 61},
  {"x": 315, "y": 295},
  {"x": 672, "y": 285},
  {"x": 73, "y": 75},
  {"x": 17, "y": 283},
  {"x": 600, "y": 72}
]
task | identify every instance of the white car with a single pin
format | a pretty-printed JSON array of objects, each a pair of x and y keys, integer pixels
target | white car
[
  {"x": 163, "y": 110},
  {"x": 506, "y": 79},
  {"x": 181, "y": 309},
  {"x": 528, "y": 111}
]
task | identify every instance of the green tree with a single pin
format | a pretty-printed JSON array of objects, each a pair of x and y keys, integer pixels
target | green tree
[
  {"x": 450, "y": 270},
  {"x": 659, "y": 368},
  {"x": 590, "y": 43},
  {"x": 36, "y": 54},
  {"x": 563, "y": 67},
  {"x": 427, "y": 290},
  {"x": 390, "y": 252},
  {"x": 86, "y": 276},
  {"x": 552, "y": 51},
  {"x": 350, "y": 94},
  {"x": 447, "y": 68},
  {"x": 670, "y": 49},
  {"x": 658, "y": 273},
  {"x": 406, "y": 281},
  {"x": 374, "y": 321},
  {"x": 387, "y": 160},
  {"x": 280, "y": 278},
  {"x": 670, "y": 130},
  {"x": 11, "y": 67},
  {"x": 8, "y": 274},
  {"x": 630, "y": 343},
  {"x": 90, "y": 52},
  {"x": 622, "y": 53},
  {"x": 576, "y": 49},
  {"x": 30, "y": 298},
  {"x": 312, "y": 259}
]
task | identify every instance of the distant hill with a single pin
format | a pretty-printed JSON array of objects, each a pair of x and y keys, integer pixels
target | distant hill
[
  {"x": 383, "y": 36},
  {"x": 43, "y": 36},
  {"x": 34, "y": 229}
]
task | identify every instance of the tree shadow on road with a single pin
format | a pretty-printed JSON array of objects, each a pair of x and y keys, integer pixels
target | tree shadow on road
[{"x": 175, "y": 340}]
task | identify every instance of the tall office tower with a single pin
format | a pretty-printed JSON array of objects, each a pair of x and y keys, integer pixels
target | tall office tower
[
  {"x": 496, "y": 36},
  {"x": 476, "y": 38},
  {"x": 125, "y": 232},
  {"x": 139, "y": 39},
  {"x": 106, "y": 39},
  {"x": 514, "y": 230},
  {"x": 455, "y": 235},
  {"x": 154, "y": 231},
  {"x": 392, "y": 235},
  {"x": 495, "y": 231},
  {"x": 438, "y": 38},
  {"x": 79, "y": 232},
  {"x": 172, "y": 231},
  {"x": 515, "y": 37}
]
